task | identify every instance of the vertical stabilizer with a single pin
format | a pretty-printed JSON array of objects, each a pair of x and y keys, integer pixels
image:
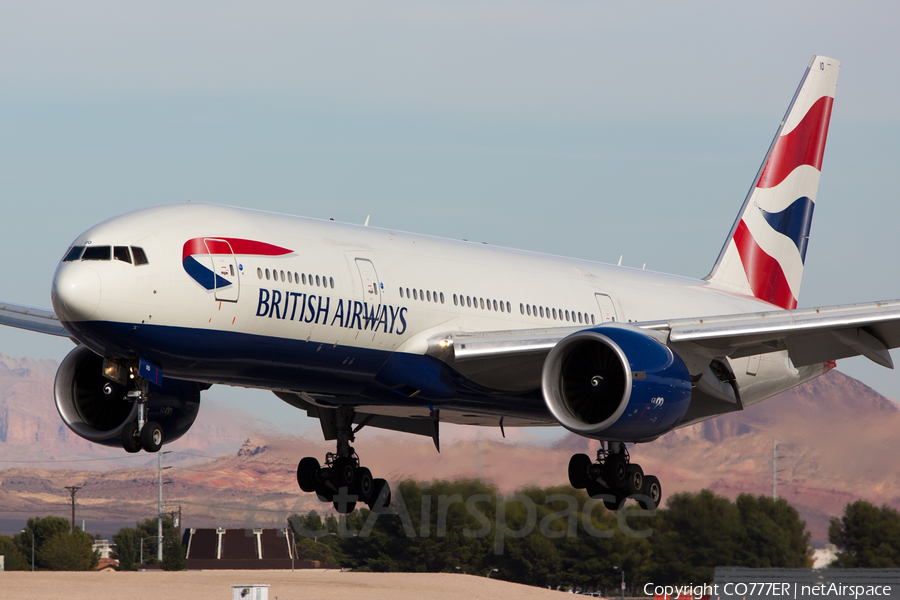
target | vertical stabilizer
[{"x": 766, "y": 249}]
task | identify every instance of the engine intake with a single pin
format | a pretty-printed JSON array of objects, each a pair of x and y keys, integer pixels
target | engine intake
[
  {"x": 618, "y": 381},
  {"x": 92, "y": 406}
]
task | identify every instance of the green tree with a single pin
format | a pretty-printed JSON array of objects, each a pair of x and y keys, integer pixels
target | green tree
[
  {"x": 173, "y": 552},
  {"x": 14, "y": 560},
  {"x": 772, "y": 534},
  {"x": 868, "y": 537},
  {"x": 698, "y": 532},
  {"x": 126, "y": 543},
  {"x": 310, "y": 549},
  {"x": 428, "y": 534},
  {"x": 590, "y": 557},
  {"x": 45, "y": 529},
  {"x": 67, "y": 551}
]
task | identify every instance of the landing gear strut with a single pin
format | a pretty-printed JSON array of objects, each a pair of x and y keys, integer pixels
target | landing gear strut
[
  {"x": 342, "y": 480},
  {"x": 141, "y": 434},
  {"x": 613, "y": 478}
]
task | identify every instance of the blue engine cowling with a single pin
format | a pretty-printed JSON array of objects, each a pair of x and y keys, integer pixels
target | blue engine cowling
[
  {"x": 92, "y": 406},
  {"x": 615, "y": 382}
]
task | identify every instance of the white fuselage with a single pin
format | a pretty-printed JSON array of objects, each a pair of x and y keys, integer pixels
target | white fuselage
[{"x": 345, "y": 273}]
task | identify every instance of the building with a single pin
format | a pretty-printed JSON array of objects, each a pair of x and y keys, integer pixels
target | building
[{"x": 241, "y": 549}]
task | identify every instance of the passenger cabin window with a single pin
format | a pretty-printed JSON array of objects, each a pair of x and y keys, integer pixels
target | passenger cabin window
[
  {"x": 73, "y": 254},
  {"x": 140, "y": 258},
  {"x": 122, "y": 253},
  {"x": 96, "y": 253}
]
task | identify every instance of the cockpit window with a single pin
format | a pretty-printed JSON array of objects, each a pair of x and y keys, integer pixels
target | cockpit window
[
  {"x": 140, "y": 258},
  {"x": 122, "y": 253},
  {"x": 74, "y": 253},
  {"x": 96, "y": 253}
]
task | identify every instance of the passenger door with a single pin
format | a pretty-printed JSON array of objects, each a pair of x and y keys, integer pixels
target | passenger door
[
  {"x": 225, "y": 267},
  {"x": 371, "y": 285},
  {"x": 607, "y": 308}
]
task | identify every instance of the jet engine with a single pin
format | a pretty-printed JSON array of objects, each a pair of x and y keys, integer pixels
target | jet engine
[
  {"x": 94, "y": 407},
  {"x": 616, "y": 382}
]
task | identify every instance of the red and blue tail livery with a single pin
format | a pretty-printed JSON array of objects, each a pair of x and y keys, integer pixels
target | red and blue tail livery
[
  {"x": 766, "y": 250},
  {"x": 212, "y": 261}
]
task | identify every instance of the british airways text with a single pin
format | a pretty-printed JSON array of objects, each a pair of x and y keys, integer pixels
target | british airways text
[{"x": 350, "y": 314}]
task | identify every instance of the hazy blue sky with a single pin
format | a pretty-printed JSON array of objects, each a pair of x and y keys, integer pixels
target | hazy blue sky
[{"x": 591, "y": 129}]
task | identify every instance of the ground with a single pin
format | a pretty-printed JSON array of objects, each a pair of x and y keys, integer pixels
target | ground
[{"x": 283, "y": 585}]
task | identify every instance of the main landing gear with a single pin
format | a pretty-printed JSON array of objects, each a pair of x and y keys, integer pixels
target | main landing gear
[
  {"x": 342, "y": 480},
  {"x": 613, "y": 478},
  {"x": 140, "y": 434}
]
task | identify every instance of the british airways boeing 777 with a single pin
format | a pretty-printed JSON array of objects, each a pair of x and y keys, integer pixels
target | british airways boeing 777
[{"x": 360, "y": 326}]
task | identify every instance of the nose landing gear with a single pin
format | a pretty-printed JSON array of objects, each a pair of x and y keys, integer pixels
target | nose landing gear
[
  {"x": 342, "y": 480},
  {"x": 613, "y": 477},
  {"x": 141, "y": 434}
]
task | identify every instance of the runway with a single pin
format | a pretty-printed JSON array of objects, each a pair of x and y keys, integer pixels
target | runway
[{"x": 283, "y": 585}]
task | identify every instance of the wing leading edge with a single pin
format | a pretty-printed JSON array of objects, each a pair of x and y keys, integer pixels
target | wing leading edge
[{"x": 41, "y": 320}]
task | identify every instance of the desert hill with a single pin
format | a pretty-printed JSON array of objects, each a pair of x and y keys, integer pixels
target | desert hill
[{"x": 836, "y": 437}]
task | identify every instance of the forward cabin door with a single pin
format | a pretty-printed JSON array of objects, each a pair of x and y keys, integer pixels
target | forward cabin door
[
  {"x": 607, "y": 308},
  {"x": 371, "y": 285},
  {"x": 225, "y": 267}
]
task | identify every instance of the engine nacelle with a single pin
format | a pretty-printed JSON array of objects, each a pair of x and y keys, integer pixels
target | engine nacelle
[
  {"x": 93, "y": 407},
  {"x": 615, "y": 382}
]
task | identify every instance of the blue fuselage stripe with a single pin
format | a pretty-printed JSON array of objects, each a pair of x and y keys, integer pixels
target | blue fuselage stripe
[{"x": 355, "y": 376}]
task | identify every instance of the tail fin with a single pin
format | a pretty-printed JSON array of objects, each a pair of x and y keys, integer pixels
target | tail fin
[{"x": 766, "y": 249}]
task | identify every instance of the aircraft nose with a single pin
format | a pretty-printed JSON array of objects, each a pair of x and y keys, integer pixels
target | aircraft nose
[{"x": 75, "y": 292}]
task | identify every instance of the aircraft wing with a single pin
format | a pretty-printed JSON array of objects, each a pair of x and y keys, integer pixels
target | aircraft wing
[
  {"x": 810, "y": 336},
  {"x": 42, "y": 320}
]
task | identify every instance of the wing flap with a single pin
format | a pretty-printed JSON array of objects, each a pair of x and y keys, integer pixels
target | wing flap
[
  {"x": 41, "y": 320},
  {"x": 810, "y": 335}
]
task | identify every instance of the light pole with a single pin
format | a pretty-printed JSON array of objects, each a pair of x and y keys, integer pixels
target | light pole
[
  {"x": 623, "y": 580},
  {"x": 32, "y": 550},
  {"x": 159, "y": 512},
  {"x": 491, "y": 571}
]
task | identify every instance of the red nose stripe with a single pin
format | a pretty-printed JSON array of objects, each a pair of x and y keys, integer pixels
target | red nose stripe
[{"x": 239, "y": 246}]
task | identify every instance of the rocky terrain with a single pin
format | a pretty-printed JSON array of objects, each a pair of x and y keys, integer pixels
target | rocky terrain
[{"x": 837, "y": 440}]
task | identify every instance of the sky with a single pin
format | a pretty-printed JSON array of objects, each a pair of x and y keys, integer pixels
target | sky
[{"x": 590, "y": 129}]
